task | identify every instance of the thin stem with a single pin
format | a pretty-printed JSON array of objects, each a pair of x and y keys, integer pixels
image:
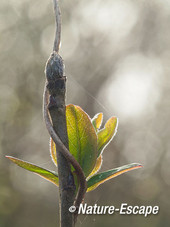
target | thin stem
[
  {"x": 55, "y": 119},
  {"x": 58, "y": 26},
  {"x": 65, "y": 151}
]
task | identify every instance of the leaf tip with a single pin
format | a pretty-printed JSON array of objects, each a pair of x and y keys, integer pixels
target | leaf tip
[
  {"x": 137, "y": 165},
  {"x": 12, "y": 159},
  {"x": 9, "y": 157}
]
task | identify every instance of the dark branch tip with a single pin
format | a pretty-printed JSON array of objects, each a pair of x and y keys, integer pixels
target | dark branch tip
[{"x": 55, "y": 67}]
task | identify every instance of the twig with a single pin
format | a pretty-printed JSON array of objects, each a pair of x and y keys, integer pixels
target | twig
[
  {"x": 58, "y": 26},
  {"x": 65, "y": 152},
  {"x": 54, "y": 108}
]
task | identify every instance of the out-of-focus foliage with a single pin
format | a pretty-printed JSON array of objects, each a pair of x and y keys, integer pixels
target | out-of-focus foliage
[{"x": 116, "y": 53}]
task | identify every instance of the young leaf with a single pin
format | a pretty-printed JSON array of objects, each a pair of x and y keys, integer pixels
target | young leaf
[
  {"x": 100, "y": 178},
  {"x": 97, "y": 121},
  {"x": 82, "y": 138},
  {"x": 46, "y": 174},
  {"x": 106, "y": 134},
  {"x": 97, "y": 166},
  {"x": 53, "y": 151}
]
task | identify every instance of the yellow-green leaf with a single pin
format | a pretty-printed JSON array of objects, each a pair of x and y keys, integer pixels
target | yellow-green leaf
[
  {"x": 82, "y": 138},
  {"x": 100, "y": 178},
  {"x": 97, "y": 166},
  {"x": 106, "y": 134},
  {"x": 53, "y": 151},
  {"x": 97, "y": 121},
  {"x": 46, "y": 174}
]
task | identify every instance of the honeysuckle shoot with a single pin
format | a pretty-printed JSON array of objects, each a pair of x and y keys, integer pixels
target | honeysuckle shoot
[{"x": 87, "y": 142}]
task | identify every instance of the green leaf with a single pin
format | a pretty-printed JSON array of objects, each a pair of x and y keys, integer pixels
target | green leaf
[
  {"x": 100, "y": 178},
  {"x": 97, "y": 166},
  {"x": 97, "y": 121},
  {"x": 106, "y": 134},
  {"x": 46, "y": 174},
  {"x": 53, "y": 151},
  {"x": 82, "y": 138}
]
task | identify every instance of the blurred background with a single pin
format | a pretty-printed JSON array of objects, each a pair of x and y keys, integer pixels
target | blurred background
[{"x": 117, "y": 61}]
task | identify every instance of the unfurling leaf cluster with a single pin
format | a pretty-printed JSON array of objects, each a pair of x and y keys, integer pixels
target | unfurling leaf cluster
[{"x": 86, "y": 143}]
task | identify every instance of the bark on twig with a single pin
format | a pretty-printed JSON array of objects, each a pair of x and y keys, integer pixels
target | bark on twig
[
  {"x": 58, "y": 26},
  {"x": 56, "y": 107},
  {"x": 66, "y": 153},
  {"x": 54, "y": 104}
]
